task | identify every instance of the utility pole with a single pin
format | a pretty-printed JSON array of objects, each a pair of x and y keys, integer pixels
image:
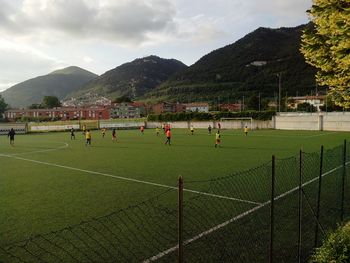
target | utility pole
[{"x": 259, "y": 101}]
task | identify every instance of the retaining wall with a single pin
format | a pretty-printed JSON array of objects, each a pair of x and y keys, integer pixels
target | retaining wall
[{"x": 324, "y": 121}]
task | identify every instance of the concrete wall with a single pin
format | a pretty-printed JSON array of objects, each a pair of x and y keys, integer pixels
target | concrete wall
[
  {"x": 323, "y": 121},
  {"x": 18, "y": 127},
  {"x": 231, "y": 124}
]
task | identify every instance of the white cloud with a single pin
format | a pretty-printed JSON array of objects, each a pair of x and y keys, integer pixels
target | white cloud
[
  {"x": 87, "y": 59},
  {"x": 38, "y": 36},
  {"x": 122, "y": 21},
  {"x": 17, "y": 62}
]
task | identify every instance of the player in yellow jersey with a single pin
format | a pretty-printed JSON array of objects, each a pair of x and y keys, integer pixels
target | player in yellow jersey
[
  {"x": 88, "y": 138},
  {"x": 218, "y": 139},
  {"x": 103, "y": 131},
  {"x": 246, "y": 130},
  {"x": 157, "y": 131},
  {"x": 192, "y": 129}
]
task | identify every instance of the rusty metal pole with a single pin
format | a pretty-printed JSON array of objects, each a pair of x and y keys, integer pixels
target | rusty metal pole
[{"x": 180, "y": 221}]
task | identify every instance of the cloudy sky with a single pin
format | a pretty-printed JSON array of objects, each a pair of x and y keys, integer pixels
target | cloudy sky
[{"x": 39, "y": 36}]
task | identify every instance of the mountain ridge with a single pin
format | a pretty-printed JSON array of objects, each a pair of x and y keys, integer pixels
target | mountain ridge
[
  {"x": 133, "y": 78},
  {"x": 55, "y": 83}
]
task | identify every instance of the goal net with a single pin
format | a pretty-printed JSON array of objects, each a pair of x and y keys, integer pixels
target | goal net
[{"x": 238, "y": 123}]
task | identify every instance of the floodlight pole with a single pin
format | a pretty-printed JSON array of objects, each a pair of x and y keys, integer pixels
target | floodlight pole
[{"x": 279, "y": 91}]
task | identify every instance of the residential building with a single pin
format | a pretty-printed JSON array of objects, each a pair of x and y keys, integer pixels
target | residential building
[
  {"x": 197, "y": 107},
  {"x": 167, "y": 107},
  {"x": 61, "y": 113},
  {"x": 126, "y": 110},
  {"x": 317, "y": 101},
  {"x": 230, "y": 107}
]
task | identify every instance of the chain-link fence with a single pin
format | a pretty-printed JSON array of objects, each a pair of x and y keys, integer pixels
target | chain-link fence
[{"x": 277, "y": 212}]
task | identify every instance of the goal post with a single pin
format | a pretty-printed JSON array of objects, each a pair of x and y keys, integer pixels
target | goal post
[{"x": 240, "y": 123}]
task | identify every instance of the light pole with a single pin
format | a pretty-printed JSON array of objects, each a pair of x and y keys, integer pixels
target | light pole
[
  {"x": 279, "y": 91},
  {"x": 259, "y": 101}
]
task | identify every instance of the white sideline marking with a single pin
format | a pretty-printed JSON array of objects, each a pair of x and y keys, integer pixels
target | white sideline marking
[
  {"x": 217, "y": 227},
  {"x": 129, "y": 179}
]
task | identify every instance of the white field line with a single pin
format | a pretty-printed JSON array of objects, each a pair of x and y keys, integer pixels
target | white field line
[
  {"x": 42, "y": 151},
  {"x": 252, "y": 134},
  {"x": 128, "y": 179},
  {"x": 39, "y": 151},
  {"x": 317, "y": 135},
  {"x": 217, "y": 227}
]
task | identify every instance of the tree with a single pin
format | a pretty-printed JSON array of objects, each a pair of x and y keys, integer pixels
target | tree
[
  {"x": 330, "y": 106},
  {"x": 35, "y": 106},
  {"x": 3, "y": 106},
  {"x": 253, "y": 102},
  {"x": 122, "y": 99},
  {"x": 306, "y": 107},
  {"x": 326, "y": 46},
  {"x": 50, "y": 102}
]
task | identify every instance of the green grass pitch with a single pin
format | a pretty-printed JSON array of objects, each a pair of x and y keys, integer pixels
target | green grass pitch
[{"x": 48, "y": 181}]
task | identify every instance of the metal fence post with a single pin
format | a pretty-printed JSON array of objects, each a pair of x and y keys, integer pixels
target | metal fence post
[
  {"x": 319, "y": 197},
  {"x": 343, "y": 182},
  {"x": 300, "y": 202},
  {"x": 272, "y": 208},
  {"x": 180, "y": 220}
]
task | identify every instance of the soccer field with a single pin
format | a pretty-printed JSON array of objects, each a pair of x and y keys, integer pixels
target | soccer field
[{"x": 49, "y": 182}]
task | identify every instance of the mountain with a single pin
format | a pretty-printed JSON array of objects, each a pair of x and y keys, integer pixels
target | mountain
[
  {"x": 132, "y": 79},
  {"x": 246, "y": 67},
  {"x": 58, "y": 83}
]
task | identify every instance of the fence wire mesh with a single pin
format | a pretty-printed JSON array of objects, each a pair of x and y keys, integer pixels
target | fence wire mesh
[{"x": 229, "y": 220}]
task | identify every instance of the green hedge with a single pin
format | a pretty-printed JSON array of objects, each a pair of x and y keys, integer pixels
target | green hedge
[
  {"x": 336, "y": 247},
  {"x": 203, "y": 116}
]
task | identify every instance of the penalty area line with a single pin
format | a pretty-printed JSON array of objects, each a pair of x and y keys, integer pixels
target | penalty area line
[{"x": 128, "y": 179}]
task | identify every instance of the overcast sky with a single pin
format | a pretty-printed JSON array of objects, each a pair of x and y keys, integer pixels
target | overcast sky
[{"x": 39, "y": 36}]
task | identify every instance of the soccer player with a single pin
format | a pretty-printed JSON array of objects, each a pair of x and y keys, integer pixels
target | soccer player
[
  {"x": 142, "y": 129},
  {"x": 246, "y": 130},
  {"x": 88, "y": 138},
  {"x": 84, "y": 129},
  {"x": 114, "y": 135},
  {"x": 219, "y": 126},
  {"x": 72, "y": 135},
  {"x": 157, "y": 131},
  {"x": 12, "y": 134},
  {"x": 217, "y": 139},
  {"x": 209, "y": 129},
  {"x": 168, "y": 137},
  {"x": 192, "y": 130},
  {"x": 103, "y": 131}
]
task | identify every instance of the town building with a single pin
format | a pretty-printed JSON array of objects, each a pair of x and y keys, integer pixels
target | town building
[
  {"x": 167, "y": 107},
  {"x": 197, "y": 107},
  {"x": 232, "y": 107},
  {"x": 316, "y": 101},
  {"x": 60, "y": 113},
  {"x": 126, "y": 110}
]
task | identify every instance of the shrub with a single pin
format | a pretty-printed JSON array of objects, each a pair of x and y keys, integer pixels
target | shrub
[
  {"x": 204, "y": 116},
  {"x": 336, "y": 247}
]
